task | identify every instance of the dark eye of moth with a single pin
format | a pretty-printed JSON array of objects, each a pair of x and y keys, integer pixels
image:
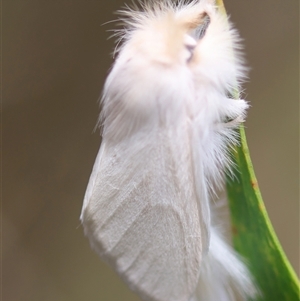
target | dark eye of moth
[
  {"x": 201, "y": 29},
  {"x": 198, "y": 33}
]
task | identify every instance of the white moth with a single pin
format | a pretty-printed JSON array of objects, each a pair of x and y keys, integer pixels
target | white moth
[{"x": 167, "y": 122}]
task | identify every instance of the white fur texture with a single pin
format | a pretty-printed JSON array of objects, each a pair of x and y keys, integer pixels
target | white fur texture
[{"x": 167, "y": 124}]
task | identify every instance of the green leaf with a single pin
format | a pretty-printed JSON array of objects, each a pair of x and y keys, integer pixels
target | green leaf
[{"x": 253, "y": 235}]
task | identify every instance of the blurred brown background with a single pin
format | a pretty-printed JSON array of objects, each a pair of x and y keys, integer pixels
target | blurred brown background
[{"x": 55, "y": 58}]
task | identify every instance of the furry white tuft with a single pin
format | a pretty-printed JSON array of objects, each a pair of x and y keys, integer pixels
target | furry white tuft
[{"x": 167, "y": 124}]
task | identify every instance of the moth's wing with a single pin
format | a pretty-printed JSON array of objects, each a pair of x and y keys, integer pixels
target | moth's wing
[{"x": 141, "y": 214}]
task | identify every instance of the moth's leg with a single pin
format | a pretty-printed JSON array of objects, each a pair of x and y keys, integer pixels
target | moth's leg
[
  {"x": 232, "y": 112},
  {"x": 234, "y": 123}
]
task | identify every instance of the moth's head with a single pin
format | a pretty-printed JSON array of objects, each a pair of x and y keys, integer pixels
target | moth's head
[{"x": 164, "y": 34}]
